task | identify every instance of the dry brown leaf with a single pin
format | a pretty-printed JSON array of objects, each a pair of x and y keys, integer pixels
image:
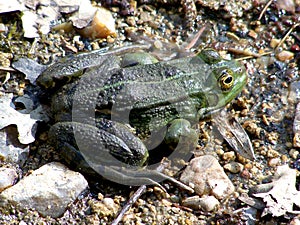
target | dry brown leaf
[
  {"x": 281, "y": 194},
  {"x": 234, "y": 134},
  {"x": 95, "y": 23}
]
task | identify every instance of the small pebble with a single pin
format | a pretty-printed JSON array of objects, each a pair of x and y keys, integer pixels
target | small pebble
[
  {"x": 296, "y": 140},
  {"x": 110, "y": 204},
  {"x": 274, "y": 42},
  {"x": 295, "y": 48},
  {"x": 289, "y": 144},
  {"x": 246, "y": 174},
  {"x": 192, "y": 202},
  {"x": 294, "y": 153},
  {"x": 229, "y": 156},
  {"x": 100, "y": 196},
  {"x": 174, "y": 198},
  {"x": 252, "y": 34},
  {"x": 285, "y": 56},
  {"x": 107, "y": 207},
  {"x": 207, "y": 203},
  {"x": 274, "y": 162},
  {"x": 166, "y": 202},
  {"x": 248, "y": 166},
  {"x": 272, "y": 153},
  {"x": 284, "y": 158},
  {"x": 130, "y": 20},
  {"x": 220, "y": 151},
  {"x": 233, "y": 167},
  {"x": 145, "y": 16}
]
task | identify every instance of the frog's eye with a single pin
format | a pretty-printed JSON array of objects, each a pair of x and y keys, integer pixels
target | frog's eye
[{"x": 226, "y": 79}]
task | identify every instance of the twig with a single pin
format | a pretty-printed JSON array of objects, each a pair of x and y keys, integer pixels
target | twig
[
  {"x": 252, "y": 56},
  {"x": 134, "y": 198},
  {"x": 7, "y": 69},
  {"x": 128, "y": 205},
  {"x": 195, "y": 39},
  {"x": 265, "y": 9},
  {"x": 243, "y": 52},
  {"x": 138, "y": 194},
  {"x": 286, "y": 35}
]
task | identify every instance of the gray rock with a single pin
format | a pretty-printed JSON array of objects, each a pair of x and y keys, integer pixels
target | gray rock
[
  {"x": 206, "y": 176},
  {"x": 48, "y": 189},
  {"x": 8, "y": 177}
]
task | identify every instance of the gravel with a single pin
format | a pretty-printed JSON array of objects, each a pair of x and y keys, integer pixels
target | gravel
[{"x": 266, "y": 109}]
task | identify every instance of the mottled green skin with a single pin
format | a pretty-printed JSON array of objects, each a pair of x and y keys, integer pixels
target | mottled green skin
[{"x": 172, "y": 94}]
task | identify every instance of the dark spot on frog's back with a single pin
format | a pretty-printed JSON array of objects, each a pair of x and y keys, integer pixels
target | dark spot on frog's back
[{"x": 171, "y": 72}]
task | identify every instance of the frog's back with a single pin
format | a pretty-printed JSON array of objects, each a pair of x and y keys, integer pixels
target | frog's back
[
  {"x": 165, "y": 91},
  {"x": 149, "y": 85}
]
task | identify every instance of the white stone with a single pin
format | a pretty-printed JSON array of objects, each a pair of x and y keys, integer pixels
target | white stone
[
  {"x": 48, "y": 189},
  {"x": 206, "y": 176},
  {"x": 8, "y": 177}
]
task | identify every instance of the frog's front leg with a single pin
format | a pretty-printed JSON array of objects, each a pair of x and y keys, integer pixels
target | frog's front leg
[{"x": 181, "y": 138}]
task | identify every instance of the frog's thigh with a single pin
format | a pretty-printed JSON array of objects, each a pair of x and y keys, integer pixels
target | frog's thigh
[
  {"x": 139, "y": 152},
  {"x": 97, "y": 145},
  {"x": 181, "y": 136}
]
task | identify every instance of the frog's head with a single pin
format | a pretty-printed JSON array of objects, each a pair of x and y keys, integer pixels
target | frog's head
[{"x": 226, "y": 80}]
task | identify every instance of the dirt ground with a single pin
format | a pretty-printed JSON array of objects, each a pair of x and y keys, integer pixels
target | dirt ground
[{"x": 264, "y": 35}]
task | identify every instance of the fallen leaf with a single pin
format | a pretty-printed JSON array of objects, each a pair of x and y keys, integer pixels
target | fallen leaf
[
  {"x": 234, "y": 134},
  {"x": 10, "y": 6},
  {"x": 38, "y": 16},
  {"x": 26, "y": 123},
  {"x": 29, "y": 19},
  {"x": 29, "y": 67},
  {"x": 94, "y": 22},
  {"x": 11, "y": 150},
  {"x": 281, "y": 194},
  {"x": 84, "y": 15}
]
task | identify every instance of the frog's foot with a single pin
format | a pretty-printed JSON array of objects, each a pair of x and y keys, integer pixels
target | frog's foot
[
  {"x": 140, "y": 177},
  {"x": 163, "y": 176}
]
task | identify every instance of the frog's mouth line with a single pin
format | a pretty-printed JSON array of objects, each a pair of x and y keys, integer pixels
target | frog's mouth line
[{"x": 208, "y": 113}]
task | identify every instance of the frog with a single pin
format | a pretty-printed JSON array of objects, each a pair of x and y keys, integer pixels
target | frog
[{"x": 112, "y": 109}]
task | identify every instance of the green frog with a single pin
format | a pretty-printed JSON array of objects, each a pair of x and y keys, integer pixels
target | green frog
[{"x": 118, "y": 110}]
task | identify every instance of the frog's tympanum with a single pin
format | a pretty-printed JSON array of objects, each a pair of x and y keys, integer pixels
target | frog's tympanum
[{"x": 119, "y": 111}]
